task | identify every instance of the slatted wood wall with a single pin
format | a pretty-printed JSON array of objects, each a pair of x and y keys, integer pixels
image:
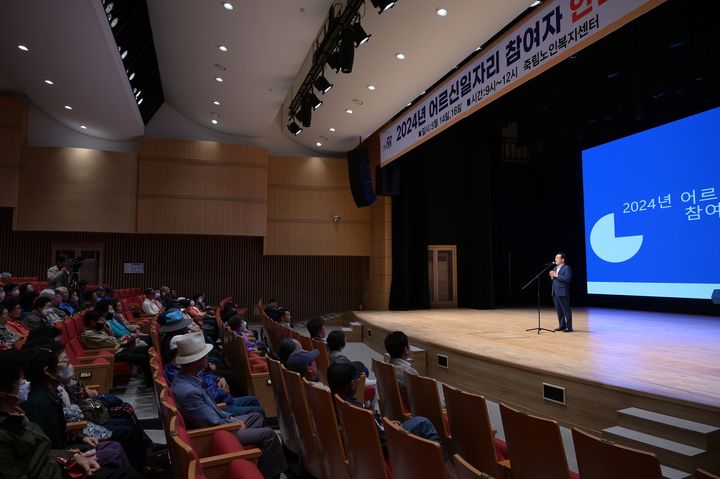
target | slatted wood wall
[{"x": 219, "y": 265}]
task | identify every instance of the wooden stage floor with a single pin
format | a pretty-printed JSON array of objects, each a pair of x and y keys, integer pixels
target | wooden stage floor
[{"x": 659, "y": 354}]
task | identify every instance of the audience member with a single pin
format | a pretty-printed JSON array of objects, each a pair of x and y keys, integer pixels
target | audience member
[
  {"x": 216, "y": 386},
  {"x": 199, "y": 409},
  {"x": 42, "y": 368},
  {"x": 316, "y": 328},
  {"x": 13, "y": 323},
  {"x": 398, "y": 347},
  {"x": 8, "y": 338},
  {"x": 37, "y": 318},
  {"x": 286, "y": 347},
  {"x": 65, "y": 305},
  {"x": 11, "y": 290},
  {"x": 343, "y": 378},
  {"x": 151, "y": 305},
  {"x": 95, "y": 336},
  {"x": 25, "y": 450}
]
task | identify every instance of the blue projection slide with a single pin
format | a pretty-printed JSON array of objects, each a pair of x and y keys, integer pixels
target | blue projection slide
[{"x": 652, "y": 211}]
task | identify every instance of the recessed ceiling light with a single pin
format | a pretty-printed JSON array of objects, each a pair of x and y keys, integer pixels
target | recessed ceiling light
[
  {"x": 478, "y": 49},
  {"x": 49, "y": 82},
  {"x": 441, "y": 12},
  {"x": 216, "y": 103},
  {"x": 132, "y": 75},
  {"x": 223, "y": 48},
  {"x": 83, "y": 127},
  {"x": 400, "y": 56},
  {"x": 140, "y": 101},
  {"x": 219, "y": 79},
  {"x": 317, "y": 143},
  {"x": 371, "y": 87},
  {"x": 137, "y": 95},
  {"x": 409, "y": 103},
  {"x": 214, "y": 121},
  {"x": 68, "y": 107},
  {"x": 124, "y": 54},
  {"x": 114, "y": 22},
  {"x": 535, "y": 3},
  {"x": 331, "y": 129},
  {"x": 348, "y": 111},
  {"x": 228, "y": 6},
  {"x": 23, "y": 48}
]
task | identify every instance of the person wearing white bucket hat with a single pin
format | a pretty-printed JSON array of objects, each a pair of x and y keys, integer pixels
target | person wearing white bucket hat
[{"x": 199, "y": 410}]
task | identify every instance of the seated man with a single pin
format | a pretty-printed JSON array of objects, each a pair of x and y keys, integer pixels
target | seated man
[
  {"x": 96, "y": 336},
  {"x": 151, "y": 305},
  {"x": 398, "y": 347},
  {"x": 286, "y": 347},
  {"x": 217, "y": 387},
  {"x": 199, "y": 409},
  {"x": 335, "y": 345},
  {"x": 343, "y": 379},
  {"x": 65, "y": 305}
]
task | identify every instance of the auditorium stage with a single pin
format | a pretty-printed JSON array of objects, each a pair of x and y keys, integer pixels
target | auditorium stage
[{"x": 666, "y": 363}]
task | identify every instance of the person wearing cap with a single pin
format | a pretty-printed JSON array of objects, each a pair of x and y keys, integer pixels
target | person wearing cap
[
  {"x": 199, "y": 410},
  {"x": 151, "y": 305},
  {"x": 59, "y": 274},
  {"x": 216, "y": 386},
  {"x": 303, "y": 363}
]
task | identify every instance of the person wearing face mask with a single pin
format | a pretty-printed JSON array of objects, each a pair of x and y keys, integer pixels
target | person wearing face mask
[
  {"x": 11, "y": 290},
  {"x": 43, "y": 366},
  {"x": 95, "y": 336},
  {"x": 13, "y": 322},
  {"x": 37, "y": 317},
  {"x": 152, "y": 305},
  {"x": 121, "y": 425},
  {"x": 199, "y": 301}
]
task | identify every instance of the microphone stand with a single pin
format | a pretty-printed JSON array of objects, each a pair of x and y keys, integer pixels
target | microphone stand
[{"x": 537, "y": 280}]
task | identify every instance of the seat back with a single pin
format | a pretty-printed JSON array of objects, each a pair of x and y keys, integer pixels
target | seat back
[
  {"x": 388, "y": 390},
  {"x": 309, "y": 449},
  {"x": 703, "y": 474},
  {"x": 180, "y": 446},
  {"x": 412, "y": 457},
  {"x": 534, "y": 444},
  {"x": 322, "y": 361},
  {"x": 424, "y": 400},
  {"x": 472, "y": 435},
  {"x": 464, "y": 470},
  {"x": 362, "y": 441},
  {"x": 601, "y": 459},
  {"x": 282, "y": 404},
  {"x": 323, "y": 414}
]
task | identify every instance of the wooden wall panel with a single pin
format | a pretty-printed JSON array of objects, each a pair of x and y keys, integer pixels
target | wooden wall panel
[
  {"x": 219, "y": 265},
  {"x": 304, "y": 193},
  {"x": 77, "y": 189},
  {"x": 201, "y": 215},
  {"x": 190, "y": 187},
  {"x": 13, "y": 133},
  {"x": 378, "y": 293}
]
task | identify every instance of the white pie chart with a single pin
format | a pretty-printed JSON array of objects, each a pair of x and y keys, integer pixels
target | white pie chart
[{"x": 609, "y": 247}]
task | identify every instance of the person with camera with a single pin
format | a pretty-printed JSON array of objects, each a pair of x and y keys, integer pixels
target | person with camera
[{"x": 59, "y": 275}]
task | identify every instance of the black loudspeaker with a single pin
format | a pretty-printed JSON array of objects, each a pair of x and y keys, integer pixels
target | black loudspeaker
[
  {"x": 360, "y": 179},
  {"x": 387, "y": 180}
]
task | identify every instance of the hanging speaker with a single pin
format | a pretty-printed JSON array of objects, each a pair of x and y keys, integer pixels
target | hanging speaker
[{"x": 360, "y": 179}]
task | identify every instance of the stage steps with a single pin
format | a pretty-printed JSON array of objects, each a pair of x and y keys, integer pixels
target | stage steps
[{"x": 682, "y": 445}]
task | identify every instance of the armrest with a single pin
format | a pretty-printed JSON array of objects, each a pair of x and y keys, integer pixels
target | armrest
[
  {"x": 208, "y": 431},
  {"x": 96, "y": 351},
  {"x": 223, "y": 459},
  {"x": 76, "y": 426}
]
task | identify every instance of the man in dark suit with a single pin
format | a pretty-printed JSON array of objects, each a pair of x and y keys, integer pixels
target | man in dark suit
[{"x": 561, "y": 276}]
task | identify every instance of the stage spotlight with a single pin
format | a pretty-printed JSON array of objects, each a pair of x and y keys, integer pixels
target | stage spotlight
[
  {"x": 359, "y": 34},
  {"x": 322, "y": 84},
  {"x": 383, "y": 5},
  {"x": 333, "y": 61},
  {"x": 294, "y": 128},
  {"x": 304, "y": 114},
  {"x": 313, "y": 100},
  {"x": 346, "y": 49}
]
